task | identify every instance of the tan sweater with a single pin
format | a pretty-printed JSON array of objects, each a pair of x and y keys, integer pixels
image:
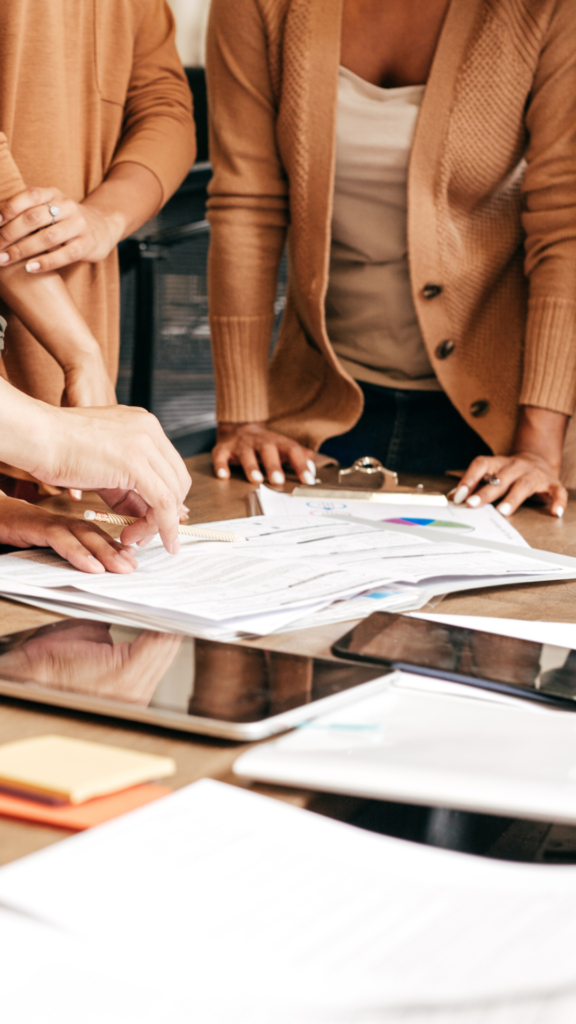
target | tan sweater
[
  {"x": 491, "y": 211},
  {"x": 85, "y": 85}
]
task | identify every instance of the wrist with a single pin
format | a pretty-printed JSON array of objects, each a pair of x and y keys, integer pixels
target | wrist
[
  {"x": 227, "y": 429},
  {"x": 540, "y": 433}
]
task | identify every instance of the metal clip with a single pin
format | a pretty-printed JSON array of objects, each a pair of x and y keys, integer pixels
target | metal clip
[{"x": 369, "y": 466}]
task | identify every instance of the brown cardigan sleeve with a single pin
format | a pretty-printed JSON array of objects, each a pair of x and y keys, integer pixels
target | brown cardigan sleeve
[
  {"x": 10, "y": 178},
  {"x": 158, "y": 129},
  {"x": 248, "y": 207},
  {"x": 549, "y": 220}
]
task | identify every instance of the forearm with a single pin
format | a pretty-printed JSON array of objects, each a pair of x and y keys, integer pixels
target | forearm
[
  {"x": 128, "y": 197},
  {"x": 45, "y": 306},
  {"x": 541, "y": 432},
  {"x": 27, "y": 428}
]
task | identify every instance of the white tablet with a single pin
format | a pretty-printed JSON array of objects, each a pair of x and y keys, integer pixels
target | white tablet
[{"x": 199, "y": 686}]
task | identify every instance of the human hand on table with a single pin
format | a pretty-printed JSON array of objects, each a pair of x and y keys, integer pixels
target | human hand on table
[
  {"x": 81, "y": 657},
  {"x": 532, "y": 470},
  {"x": 253, "y": 444},
  {"x": 82, "y": 544}
]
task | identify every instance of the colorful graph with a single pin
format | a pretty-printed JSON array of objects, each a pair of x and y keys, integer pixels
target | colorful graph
[{"x": 442, "y": 524}]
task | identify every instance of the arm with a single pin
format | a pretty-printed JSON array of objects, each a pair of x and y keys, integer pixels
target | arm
[
  {"x": 548, "y": 392},
  {"x": 154, "y": 154},
  {"x": 45, "y": 307},
  {"x": 249, "y": 214}
]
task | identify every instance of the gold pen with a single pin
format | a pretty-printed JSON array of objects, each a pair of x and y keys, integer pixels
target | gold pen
[{"x": 189, "y": 531}]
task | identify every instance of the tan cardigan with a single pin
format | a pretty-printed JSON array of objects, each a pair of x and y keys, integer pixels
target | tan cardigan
[
  {"x": 491, "y": 220},
  {"x": 85, "y": 85}
]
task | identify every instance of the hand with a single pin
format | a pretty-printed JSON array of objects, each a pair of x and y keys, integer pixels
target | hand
[
  {"x": 250, "y": 444},
  {"x": 81, "y": 232},
  {"x": 531, "y": 471},
  {"x": 81, "y": 657},
  {"x": 82, "y": 544}
]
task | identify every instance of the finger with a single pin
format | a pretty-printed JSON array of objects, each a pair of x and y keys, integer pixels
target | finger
[
  {"x": 221, "y": 458},
  {"x": 93, "y": 551},
  {"x": 75, "y": 494},
  {"x": 26, "y": 200},
  {"x": 524, "y": 488},
  {"x": 114, "y": 556},
  {"x": 139, "y": 533},
  {"x": 490, "y": 493},
  {"x": 249, "y": 462},
  {"x": 125, "y": 503},
  {"x": 302, "y": 462},
  {"x": 558, "y": 500},
  {"x": 270, "y": 458},
  {"x": 36, "y": 232},
  {"x": 63, "y": 257},
  {"x": 478, "y": 468}
]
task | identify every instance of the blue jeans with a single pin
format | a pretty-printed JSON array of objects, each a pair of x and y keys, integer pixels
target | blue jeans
[{"x": 409, "y": 431}]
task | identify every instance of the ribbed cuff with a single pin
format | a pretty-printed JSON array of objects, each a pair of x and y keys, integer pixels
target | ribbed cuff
[
  {"x": 240, "y": 346},
  {"x": 549, "y": 380},
  {"x": 10, "y": 178}
]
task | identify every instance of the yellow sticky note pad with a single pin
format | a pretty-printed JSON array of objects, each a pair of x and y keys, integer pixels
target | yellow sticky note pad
[{"x": 61, "y": 769}]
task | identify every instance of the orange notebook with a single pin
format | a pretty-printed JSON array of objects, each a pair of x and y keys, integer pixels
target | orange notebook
[{"x": 78, "y": 817}]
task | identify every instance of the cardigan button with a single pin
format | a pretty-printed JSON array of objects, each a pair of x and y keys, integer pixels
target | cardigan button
[
  {"x": 431, "y": 291},
  {"x": 480, "y": 408},
  {"x": 445, "y": 349}
]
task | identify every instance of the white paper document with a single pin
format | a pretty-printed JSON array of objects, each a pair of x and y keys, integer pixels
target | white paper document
[
  {"x": 230, "y": 902},
  {"x": 435, "y": 743},
  {"x": 287, "y": 566},
  {"x": 484, "y": 523}
]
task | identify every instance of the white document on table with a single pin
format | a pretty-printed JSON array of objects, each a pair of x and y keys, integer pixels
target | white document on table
[
  {"x": 435, "y": 743},
  {"x": 231, "y": 901},
  {"x": 484, "y": 523}
]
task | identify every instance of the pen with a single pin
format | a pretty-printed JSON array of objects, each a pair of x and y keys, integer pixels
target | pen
[{"x": 188, "y": 531}]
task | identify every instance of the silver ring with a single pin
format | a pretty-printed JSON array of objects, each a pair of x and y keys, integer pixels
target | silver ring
[
  {"x": 494, "y": 481},
  {"x": 53, "y": 211}
]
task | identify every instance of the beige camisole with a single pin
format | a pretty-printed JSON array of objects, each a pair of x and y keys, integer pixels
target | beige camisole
[{"x": 371, "y": 320}]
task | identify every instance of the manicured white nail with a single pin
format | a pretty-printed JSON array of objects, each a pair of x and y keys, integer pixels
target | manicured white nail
[
  {"x": 223, "y": 474},
  {"x": 77, "y": 495},
  {"x": 558, "y": 511},
  {"x": 312, "y": 467},
  {"x": 308, "y": 478},
  {"x": 474, "y": 501},
  {"x": 256, "y": 476},
  {"x": 461, "y": 493},
  {"x": 277, "y": 477},
  {"x": 505, "y": 508},
  {"x": 32, "y": 266},
  {"x": 4, "y": 257}
]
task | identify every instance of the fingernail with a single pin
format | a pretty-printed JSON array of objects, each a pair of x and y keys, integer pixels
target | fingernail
[
  {"x": 121, "y": 559},
  {"x": 312, "y": 467},
  {"x": 185, "y": 508},
  {"x": 222, "y": 474},
  {"x": 277, "y": 477},
  {"x": 558, "y": 511},
  {"x": 308, "y": 478},
  {"x": 474, "y": 501},
  {"x": 256, "y": 476},
  {"x": 77, "y": 495},
  {"x": 32, "y": 266},
  {"x": 4, "y": 257},
  {"x": 461, "y": 493},
  {"x": 97, "y": 565},
  {"x": 505, "y": 508},
  {"x": 142, "y": 543},
  {"x": 175, "y": 548}
]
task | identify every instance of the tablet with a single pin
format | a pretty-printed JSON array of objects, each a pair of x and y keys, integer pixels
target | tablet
[
  {"x": 200, "y": 686},
  {"x": 520, "y": 668}
]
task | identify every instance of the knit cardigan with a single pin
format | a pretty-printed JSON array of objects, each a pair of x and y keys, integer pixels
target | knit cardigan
[{"x": 491, "y": 212}]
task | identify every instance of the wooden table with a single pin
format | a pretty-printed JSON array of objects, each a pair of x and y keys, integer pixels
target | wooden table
[{"x": 212, "y": 499}]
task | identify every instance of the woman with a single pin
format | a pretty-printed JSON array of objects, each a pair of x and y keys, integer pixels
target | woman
[
  {"x": 432, "y": 330},
  {"x": 96, "y": 133}
]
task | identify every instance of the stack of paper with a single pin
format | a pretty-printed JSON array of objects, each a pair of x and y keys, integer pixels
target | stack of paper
[
  {"x": 238, "y": 907},
  {"x": 290, "y": 567}
]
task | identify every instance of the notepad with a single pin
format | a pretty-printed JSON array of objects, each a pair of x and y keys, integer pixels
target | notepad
[
  {"x": 59, "y": 769},
  {"x": 77, "y": 817}
]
